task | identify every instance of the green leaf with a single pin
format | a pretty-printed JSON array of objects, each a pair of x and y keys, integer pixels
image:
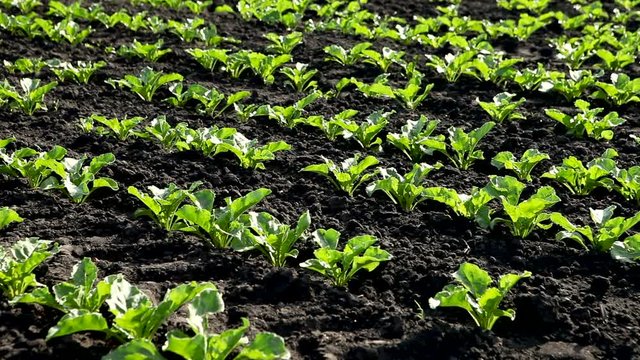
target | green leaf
[
  {"x": 190, "y": 348},
  {"x": 8, "y": 216},
  {"x": 78, "y": 321},
  {"x": 265, "y": 346},
  {"x": 135, "y": 350},
  {"x": 473, "y": 278}
]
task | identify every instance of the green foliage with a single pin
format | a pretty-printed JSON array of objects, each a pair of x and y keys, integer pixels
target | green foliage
[
  {"x": 208, "y": 140},
  {"x": 66, "y": 30},
  {"x": 615, "y": 61},
  {"x": 522, "y": 168},
  {"x": 522, "y": 216},
  {"x": 366, "y": 132},
  {"x": 622, "y": 90},
  {"x": 17, "y": 265},
  {"x": 413, "y": 138},
  {"x": 288, "y": 13},
  {"x": 161, "y": 205},
  {"x": 575, "y": 51},
  {"x": 120, "y": 129},
  {"x": 133, "y": 22},
  {"x": 587, "y": 121},
  {"x": 32, "y": 165},
  {"x": 283, "y": 44},
  {"x": 628, "y": 182},
  {"x": 237, "y": 63},
  {"x": 219, "y": 227},
  {"x": 627, "y": 250},
  {"x": 77, "y": 180},
  {"x": 608, "y": 229},
  {"x": 346, "y": 57},
  {"x": 407, "y": 191},
  {"x": 81, "y": 72},
  {"x": 135, "y": 316},
  {"x": 289, "y": 116},
  {"x": 8, "y": 216},
  {"x": 471, "y": 206},
  {"x": 275, "y": 240},
  {"x": 492, "y": 66},
  {"x": 383, "y": 60},
  {"x": 25, "y": 66},
  {"x": 193, "y": 30},
  {"x": 502, "y": 108},
  {"x": 413, "y": 94},
  {"x": 147, "y": 83},
  {"x": 212, "y": 102},
  {"x": 266, "y": 65},
  {"x": 182, "y": 96},
  {"x": 209, "y": 58},
  {"x": 341, "y": 266},
  {"x": 331, "y": 127},
  {"x": 474, "y": 294},
  {"x": 206, "y": 345},
  {"x": 535, "y": 6},
  {"x": 532, "y": 79},
  {"x": 572, "y": 87},
  {"x": 461, "y": 146},
  {"x": 299, "y": 77},
  {"x": 25, "y": 6},
  {"x": 81, "y": 292},
  {"x": 581, "y": 180},
  {"x": 171, "y": 137},
  {"x": 30, "y": 99},
  {"x": 250, "y": 153},
  {"x": 452, "y": 66},
  {"x": 348, "y": 175},
  {"x": 151, "y": 52},
  {"x": 212, "y": 38},
  {"x": 187, "y": 31},
  {"x": 244, "y": 112}
]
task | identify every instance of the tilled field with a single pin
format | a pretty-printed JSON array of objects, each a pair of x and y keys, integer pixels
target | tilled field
[{"x": 578, "y": 304}]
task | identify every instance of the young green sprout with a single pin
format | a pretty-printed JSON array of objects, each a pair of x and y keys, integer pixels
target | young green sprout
[
  {"x": 341, "y": 266},
  {"x": 607, "y": 231},
  {"x": 348, "y": 175},
  {"x": 581, "y": 179},
  {"x": 407, "y": 191},
  {"x": 587, "y": 121},
  {"x": 522, "y": 217},
  {"x": 502, "y": 107},
  {"x": 473, "y": 293},
  {"x": 31, "y": 97},
  {"x": 523, "y": 167}
]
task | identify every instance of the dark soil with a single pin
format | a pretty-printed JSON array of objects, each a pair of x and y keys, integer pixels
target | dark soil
[{"x": 575, "y": 306}]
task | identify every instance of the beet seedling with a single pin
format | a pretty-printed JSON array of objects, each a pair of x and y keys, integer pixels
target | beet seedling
[{"x": 473, "y": 293}]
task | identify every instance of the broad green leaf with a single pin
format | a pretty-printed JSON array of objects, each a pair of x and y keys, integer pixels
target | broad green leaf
[
  {"x": 473, "y": 278},
  {"x": 78, "y": 321},
  {"x": 135, "y": 350}
]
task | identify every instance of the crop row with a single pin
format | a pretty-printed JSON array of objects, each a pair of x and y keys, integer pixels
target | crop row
[{"x": 54, "y": 170}]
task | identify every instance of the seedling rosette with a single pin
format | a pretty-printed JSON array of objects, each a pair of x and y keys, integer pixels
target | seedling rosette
[
  {"x": 522, "y": 216},
  {"x": 581, "y": 179},
  {"x": 219, "y": 227},
  {"x": 607, "y": 231},
  {"x": 18, "y": 263},
  {"x": 275, "y": 240},
  {"x": 348, "y": 175},
  {"x": 8, "y": 216},
  {"x": 474, "y": 294},
  {"x": 341, "y": 266},
  {"x": 407, "y": 191}
]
